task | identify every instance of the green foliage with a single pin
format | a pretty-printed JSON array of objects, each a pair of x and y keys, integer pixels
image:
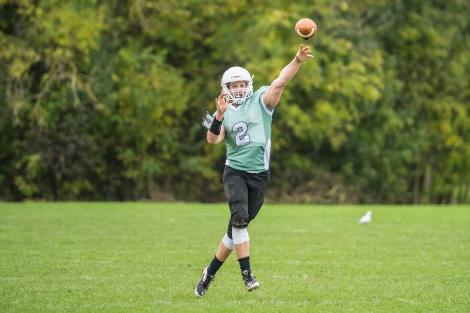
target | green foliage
[{"x": 103, "y": 99}]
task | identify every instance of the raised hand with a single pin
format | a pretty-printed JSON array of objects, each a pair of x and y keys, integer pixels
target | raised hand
[
  {"x": 221, "y": 104},
  {"x": 303, "y": 53}
]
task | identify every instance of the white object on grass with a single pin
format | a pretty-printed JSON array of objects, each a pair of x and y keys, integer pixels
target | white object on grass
[{"x": 366, "y": 218}]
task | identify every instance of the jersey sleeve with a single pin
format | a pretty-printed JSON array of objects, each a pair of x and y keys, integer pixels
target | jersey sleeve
[{"x": 259, "y": 93}]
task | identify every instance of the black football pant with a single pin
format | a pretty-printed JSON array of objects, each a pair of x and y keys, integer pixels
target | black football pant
[{"x": 245, "y": 195}]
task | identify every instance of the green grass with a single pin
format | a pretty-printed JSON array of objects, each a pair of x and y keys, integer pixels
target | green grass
[{"x": 138, "y": 257}]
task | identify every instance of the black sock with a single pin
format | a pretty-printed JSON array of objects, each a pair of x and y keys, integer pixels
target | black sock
[
  {"x": 214, "y": 266},
  {"x": 245, "y": 264}
]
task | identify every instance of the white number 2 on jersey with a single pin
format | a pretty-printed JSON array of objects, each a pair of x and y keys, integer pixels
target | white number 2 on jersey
[{"x": 241, "y": 137}]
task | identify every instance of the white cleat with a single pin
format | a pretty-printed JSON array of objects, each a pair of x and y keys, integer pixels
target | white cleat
[
  {"x": 250, "y": 281},
  {"x": 203, "y": 284}
]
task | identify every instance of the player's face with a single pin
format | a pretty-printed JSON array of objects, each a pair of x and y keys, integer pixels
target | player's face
[{"x": 238, "y": 89}]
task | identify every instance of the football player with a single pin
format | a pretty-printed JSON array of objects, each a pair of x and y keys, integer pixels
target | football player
[{"x": 243, "y": 120}]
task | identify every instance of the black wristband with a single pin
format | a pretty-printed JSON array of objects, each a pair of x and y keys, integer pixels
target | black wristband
[{"x": 215, "y": 127}]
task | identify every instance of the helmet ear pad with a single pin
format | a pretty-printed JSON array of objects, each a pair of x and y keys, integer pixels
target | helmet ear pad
[{"x": 235, "y": 74}]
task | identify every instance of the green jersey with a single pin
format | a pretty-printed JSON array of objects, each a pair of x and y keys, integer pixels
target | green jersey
[{"x": 248, "y": 134}]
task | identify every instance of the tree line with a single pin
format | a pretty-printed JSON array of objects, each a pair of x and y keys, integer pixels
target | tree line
[{"x": 102, "y": 100}]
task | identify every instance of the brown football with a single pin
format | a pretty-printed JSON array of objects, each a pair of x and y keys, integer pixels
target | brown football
[{"x": 305, "y": 28}]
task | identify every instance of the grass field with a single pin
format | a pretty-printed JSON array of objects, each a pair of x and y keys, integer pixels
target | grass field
[{"x": 146, "y": 257}]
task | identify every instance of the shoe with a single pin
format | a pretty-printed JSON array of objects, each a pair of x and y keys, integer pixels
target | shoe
[
  {"x": 250, "y": 280},
  {"x": 203, "y": 284}
]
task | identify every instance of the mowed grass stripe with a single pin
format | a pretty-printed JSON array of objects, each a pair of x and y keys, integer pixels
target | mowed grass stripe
[{"x": 146, "y": 257}]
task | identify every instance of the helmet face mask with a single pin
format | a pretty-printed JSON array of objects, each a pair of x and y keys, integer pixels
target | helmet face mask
[
  {"x": 233, "y": 87},
  {"x": 238, "y": 90}
]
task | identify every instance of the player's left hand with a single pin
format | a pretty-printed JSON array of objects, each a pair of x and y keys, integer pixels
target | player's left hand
[{"x": 303, "y": 53}]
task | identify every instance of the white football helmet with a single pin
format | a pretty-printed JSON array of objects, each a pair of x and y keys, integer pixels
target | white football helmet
[{"x": 235, "y": 74}]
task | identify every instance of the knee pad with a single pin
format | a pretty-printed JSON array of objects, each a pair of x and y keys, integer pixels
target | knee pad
[
  {"x": 240, "y": 235},
  {"x": 228, "y": 242}
]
